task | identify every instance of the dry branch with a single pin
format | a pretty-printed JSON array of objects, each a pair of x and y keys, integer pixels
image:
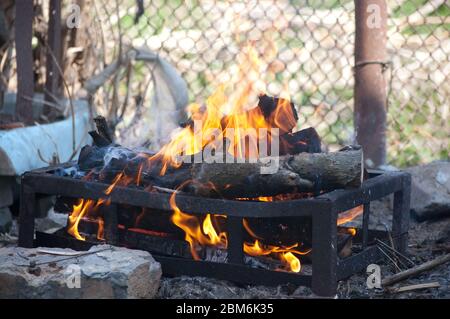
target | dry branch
[
  {"x": 415, "y": 270},
  {"x": 427, "y": 285}
]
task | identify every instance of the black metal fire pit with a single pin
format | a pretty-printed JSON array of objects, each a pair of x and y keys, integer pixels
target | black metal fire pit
[{"x": 323, "y": 210}]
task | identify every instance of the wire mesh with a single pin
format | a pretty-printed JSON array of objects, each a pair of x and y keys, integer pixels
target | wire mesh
[{"x": 314, "y": 42}]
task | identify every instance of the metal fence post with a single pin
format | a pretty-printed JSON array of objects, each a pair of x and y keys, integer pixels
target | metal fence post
[
  {"x": 53, "y": 58},
  {"x": 370, "y": 84},
  {"x": 24, "y": 58}
]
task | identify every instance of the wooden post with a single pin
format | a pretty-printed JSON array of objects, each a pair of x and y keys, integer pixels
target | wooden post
[
  {"x": 53, "y": 58},
  {"x": 24, "y": 57},
  {"x": 370, "y": 84}
]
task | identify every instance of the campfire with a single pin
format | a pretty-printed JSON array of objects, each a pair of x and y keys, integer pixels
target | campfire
[
  {"x": 238, "y": 184},
  {"x": 228, "y": 148}
]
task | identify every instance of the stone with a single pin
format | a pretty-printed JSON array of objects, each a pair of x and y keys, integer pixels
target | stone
[
  {"x": 106, "y": 272},
  {"x": 5, "y": 220},
  {"x": 430, "y": 191},
  {"x": 51, "y": 223}
]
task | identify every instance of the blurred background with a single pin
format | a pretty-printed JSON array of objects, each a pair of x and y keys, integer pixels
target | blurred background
[{"x": 313, "y": 43}]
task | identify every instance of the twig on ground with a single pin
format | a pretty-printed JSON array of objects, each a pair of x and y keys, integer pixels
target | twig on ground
[
  {"x": 427, "y": 285},
  {"x": 395, "y": 251},
  {"x": 390, "y": 258},
  {"x": 415, "y": 270},
  {"x": 32, "y": 263}
]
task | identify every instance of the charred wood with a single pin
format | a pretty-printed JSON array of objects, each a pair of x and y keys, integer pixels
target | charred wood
[{"x": 302, "y": 172}]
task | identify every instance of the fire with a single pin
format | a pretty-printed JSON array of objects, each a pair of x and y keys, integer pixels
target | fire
[
  {"x": 284, "y": 254},
  {"x": 229, "y": 113},
  {"x": 82, "y": 210},
  {"x": 199, "y": 234},
  {"x": 349, "y": 215},
  {"x": 77, "y": 214},
  {"x": 294, "y": 262}
]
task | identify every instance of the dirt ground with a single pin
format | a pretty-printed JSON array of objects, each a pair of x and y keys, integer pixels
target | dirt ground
[{"x": 427, "y": 240}]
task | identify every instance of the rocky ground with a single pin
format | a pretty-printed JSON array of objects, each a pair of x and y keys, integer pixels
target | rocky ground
[
  {"x": 427, "y": 241},
  {"x": 429, "y": 237}
]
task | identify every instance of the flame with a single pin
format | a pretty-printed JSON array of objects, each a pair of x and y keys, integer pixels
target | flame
[
  {"x": 229, "y": 113},
  {"x": 285, "y": 254},
  {"x": 82, "y": 210},
  {"x": 294, "y": 262},
  {"x": 349, "y": 215},
  {"x": 351, "y": 231},
  {"x": 199, "y": 234},
  {"x": 101, "y": 229}
]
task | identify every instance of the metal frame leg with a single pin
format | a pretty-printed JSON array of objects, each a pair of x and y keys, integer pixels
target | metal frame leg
[
  {"x": 400, "y": 221},
  {"x": 324, "y": 253},
  {"x": 235, "y": 232},
  {"x": 26, "y": 215}
]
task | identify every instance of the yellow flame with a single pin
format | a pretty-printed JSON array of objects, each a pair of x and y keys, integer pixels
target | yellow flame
[
  {"x": 196, "y": 233},
  {"x": 83, "y": 210},
  {"x": 199, "y": 234},
  {"x": 284, "y": 254},
  {"x": 231, "y": 106},
  {"x": 79, "y": 211}
]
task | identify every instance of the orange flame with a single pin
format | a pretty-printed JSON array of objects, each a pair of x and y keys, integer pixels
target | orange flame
[
  {"x": 82, "y": 210},
  {"x": 229, "y": 113},
  {"x": 284, "y": 254},
  {"x": 350, "y": 214},
  {"x": 196, "y": 233},
  {"x": 204, "y": 234}
]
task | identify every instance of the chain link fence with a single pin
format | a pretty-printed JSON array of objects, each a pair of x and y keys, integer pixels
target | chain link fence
[{"x": 313, "y": 41}]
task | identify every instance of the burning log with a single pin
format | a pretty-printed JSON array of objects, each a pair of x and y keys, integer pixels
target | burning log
[
  {"x": 103, "y": 135},
  {"x": 302, "y": 172},
  {"x": 277, "y": 112},
  {"x": 300, "y": 168},
  {"x": 303, "y": 141}
]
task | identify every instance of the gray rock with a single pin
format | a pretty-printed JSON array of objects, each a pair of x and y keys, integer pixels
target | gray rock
[
  {"x": 53, "y": 222},
  {"x": 111, "y": 272},
  {"x": 5, "y": 220},
  {"x": 430, "y": 193}
]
